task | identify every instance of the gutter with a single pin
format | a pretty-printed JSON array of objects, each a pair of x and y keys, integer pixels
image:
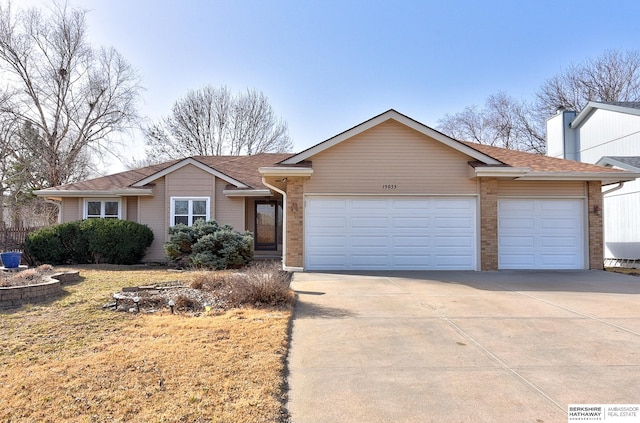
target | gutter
[
  {"x": 620, "y": 185},
  {"x": 284, "y": 221}
]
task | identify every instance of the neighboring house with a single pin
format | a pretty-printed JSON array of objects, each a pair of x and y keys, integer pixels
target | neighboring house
[
  {"x": 607, "y": 134},
  {"x": 390, "y": 193}
]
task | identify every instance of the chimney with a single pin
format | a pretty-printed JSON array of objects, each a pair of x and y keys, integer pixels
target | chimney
[{"x": 561, "y": 138}]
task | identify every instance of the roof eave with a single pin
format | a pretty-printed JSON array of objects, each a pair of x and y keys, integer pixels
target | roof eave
[
  {"x": 604, "y": 177},
  {"x": 247, "y": 193},
  {"x": 592, "y": 105},
  {"x": 285, "y": 171},
  {"x": 606, "y": 160},
  {"x": 499, "y": 172},
  {"x": 94, "y": 193}
]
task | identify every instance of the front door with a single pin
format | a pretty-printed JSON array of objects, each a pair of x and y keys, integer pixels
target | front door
[{"x": 266, "y": 225}]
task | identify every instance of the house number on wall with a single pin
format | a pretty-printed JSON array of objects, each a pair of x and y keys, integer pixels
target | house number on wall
[{"x": 389, "y": 186}]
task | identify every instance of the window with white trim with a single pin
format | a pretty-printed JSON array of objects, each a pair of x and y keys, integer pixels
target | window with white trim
[
  {"x": 101, "y": 208},
  {"x": 187, "y": 210}
]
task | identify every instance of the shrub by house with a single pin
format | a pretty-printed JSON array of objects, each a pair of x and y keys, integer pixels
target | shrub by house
[
  {"x": 110, "y": 241},
  {"x": 210, "y": 245}
]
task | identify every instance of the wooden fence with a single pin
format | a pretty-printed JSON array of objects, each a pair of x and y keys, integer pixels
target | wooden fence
[{"x": 12, "y": 239}]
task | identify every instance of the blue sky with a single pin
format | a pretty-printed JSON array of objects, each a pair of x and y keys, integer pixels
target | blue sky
[{"x": 329, "y": 65}]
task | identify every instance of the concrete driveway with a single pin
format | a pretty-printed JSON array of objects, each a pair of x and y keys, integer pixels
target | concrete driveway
[{"x": 507, "y": 346}]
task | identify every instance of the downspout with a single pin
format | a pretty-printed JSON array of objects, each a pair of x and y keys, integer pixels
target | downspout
[
  {"x": 284, "y": 220},
  {"x": 58, "y": 204},
  {"x": 620, "y": 185}
]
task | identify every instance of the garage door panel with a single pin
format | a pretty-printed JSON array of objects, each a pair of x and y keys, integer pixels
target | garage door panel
[
  {"x": 328, "y": 262},
  {"x": 326, "y": 223},
  {"x": 319, "y": 205},
  {"x": 369, "y": 223},
  {"x": 410, "y": 241},
  {"x": 563, "y": 224},
  {"x": 368, "y": 205},
  {"x": 453, "y": 261},
  {"x": 516, "y": 222},
  {"x": 410, "y": 222},
  {"x": 369, "y": 241},
  {"x": 516, "y": 241},
  {"x": 454, "y": 241},
  {"x": 453, "y": 204},
  {"x": 369, "y": 261},
  {"x": 518, "y": 261},
  {"x": 328, "y": 241},
  {"x": 395, "y": 233},
  {"x": 410, "y": 204},
  {"x": 559, "y": 242},
  {"x": 540, "y": 234},
  {"x": 446, "y": 223}
]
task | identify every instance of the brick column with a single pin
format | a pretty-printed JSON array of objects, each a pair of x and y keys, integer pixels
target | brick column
[
  {"x": 489, "y": 223},
  {"x": 295, "y": 226},
  {"x": 596, "y": 237}
]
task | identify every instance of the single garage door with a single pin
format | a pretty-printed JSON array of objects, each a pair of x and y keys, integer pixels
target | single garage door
[
  {"x": 386, "y": 233},
  {"x": 540, "y": 234}
]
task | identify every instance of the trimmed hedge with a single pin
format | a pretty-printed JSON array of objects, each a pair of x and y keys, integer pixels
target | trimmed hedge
[
  {"x": 110, "y": 241},
  {"x": 207, "y": 244}
]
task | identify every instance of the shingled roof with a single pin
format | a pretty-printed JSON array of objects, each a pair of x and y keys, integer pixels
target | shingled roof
[
  {"x": 536, "y": 162},
  {"x": 241, "y": 168},
  {"x": 245, "y": 169}
]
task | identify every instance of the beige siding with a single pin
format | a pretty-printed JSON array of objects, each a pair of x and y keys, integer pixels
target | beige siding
[
  {"x": 132, "y": 208},
  {"x": 393, "y": 155},
  {"x": 541, "y": 188},
  {"x": 228, "y": 210},
  {"x": 71, "y": 209},
  {"x": 154, "y": 213},
  {"x": 189, "y": 181}
]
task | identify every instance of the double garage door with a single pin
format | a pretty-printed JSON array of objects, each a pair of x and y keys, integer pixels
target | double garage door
[
  {"x": 381, "y": 233},
  {"x": 438, "y": 233}
]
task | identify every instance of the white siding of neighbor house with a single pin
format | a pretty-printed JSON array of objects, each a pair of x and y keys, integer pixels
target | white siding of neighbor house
[
  {"x": 621, "y": 228},
  {"x": 390, "y": 158},
  {"x": 608, "y": 133}
]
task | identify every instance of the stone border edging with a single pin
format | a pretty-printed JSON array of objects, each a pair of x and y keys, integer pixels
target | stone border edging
[{"x": 15, "y": 296}]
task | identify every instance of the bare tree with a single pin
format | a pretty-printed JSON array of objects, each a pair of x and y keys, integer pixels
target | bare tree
[
  {"x": 212, "y": 121},
  {"x": 73, "y": 95},
  {"x": 613, "y": 76},
  {"x": 502, "y": 121},
  {"x": 506, "y": 122}
]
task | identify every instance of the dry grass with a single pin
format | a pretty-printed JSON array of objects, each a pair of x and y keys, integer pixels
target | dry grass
[
  {"x": 624, "y": 270},
  {"x": 69, "y": 360},
  {"x": 26, "y": 277}
]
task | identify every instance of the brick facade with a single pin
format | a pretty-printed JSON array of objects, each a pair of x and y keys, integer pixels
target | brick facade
[
  {"x": 596, "y": 235},
  {"x": 489, "y": 223},
  {"x": 294, "y": 256}
]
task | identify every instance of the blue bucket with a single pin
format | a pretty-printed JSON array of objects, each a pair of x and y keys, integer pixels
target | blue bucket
[{"x": 11, "y": 260}]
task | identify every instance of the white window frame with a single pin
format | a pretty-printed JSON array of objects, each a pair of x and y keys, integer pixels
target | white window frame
[
  {"x": 85, "y": 208},
  {"x": 172, "y": 213}
]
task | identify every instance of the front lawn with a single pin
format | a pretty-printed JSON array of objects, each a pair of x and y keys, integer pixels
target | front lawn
[{"x": 72, "y": 360}]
